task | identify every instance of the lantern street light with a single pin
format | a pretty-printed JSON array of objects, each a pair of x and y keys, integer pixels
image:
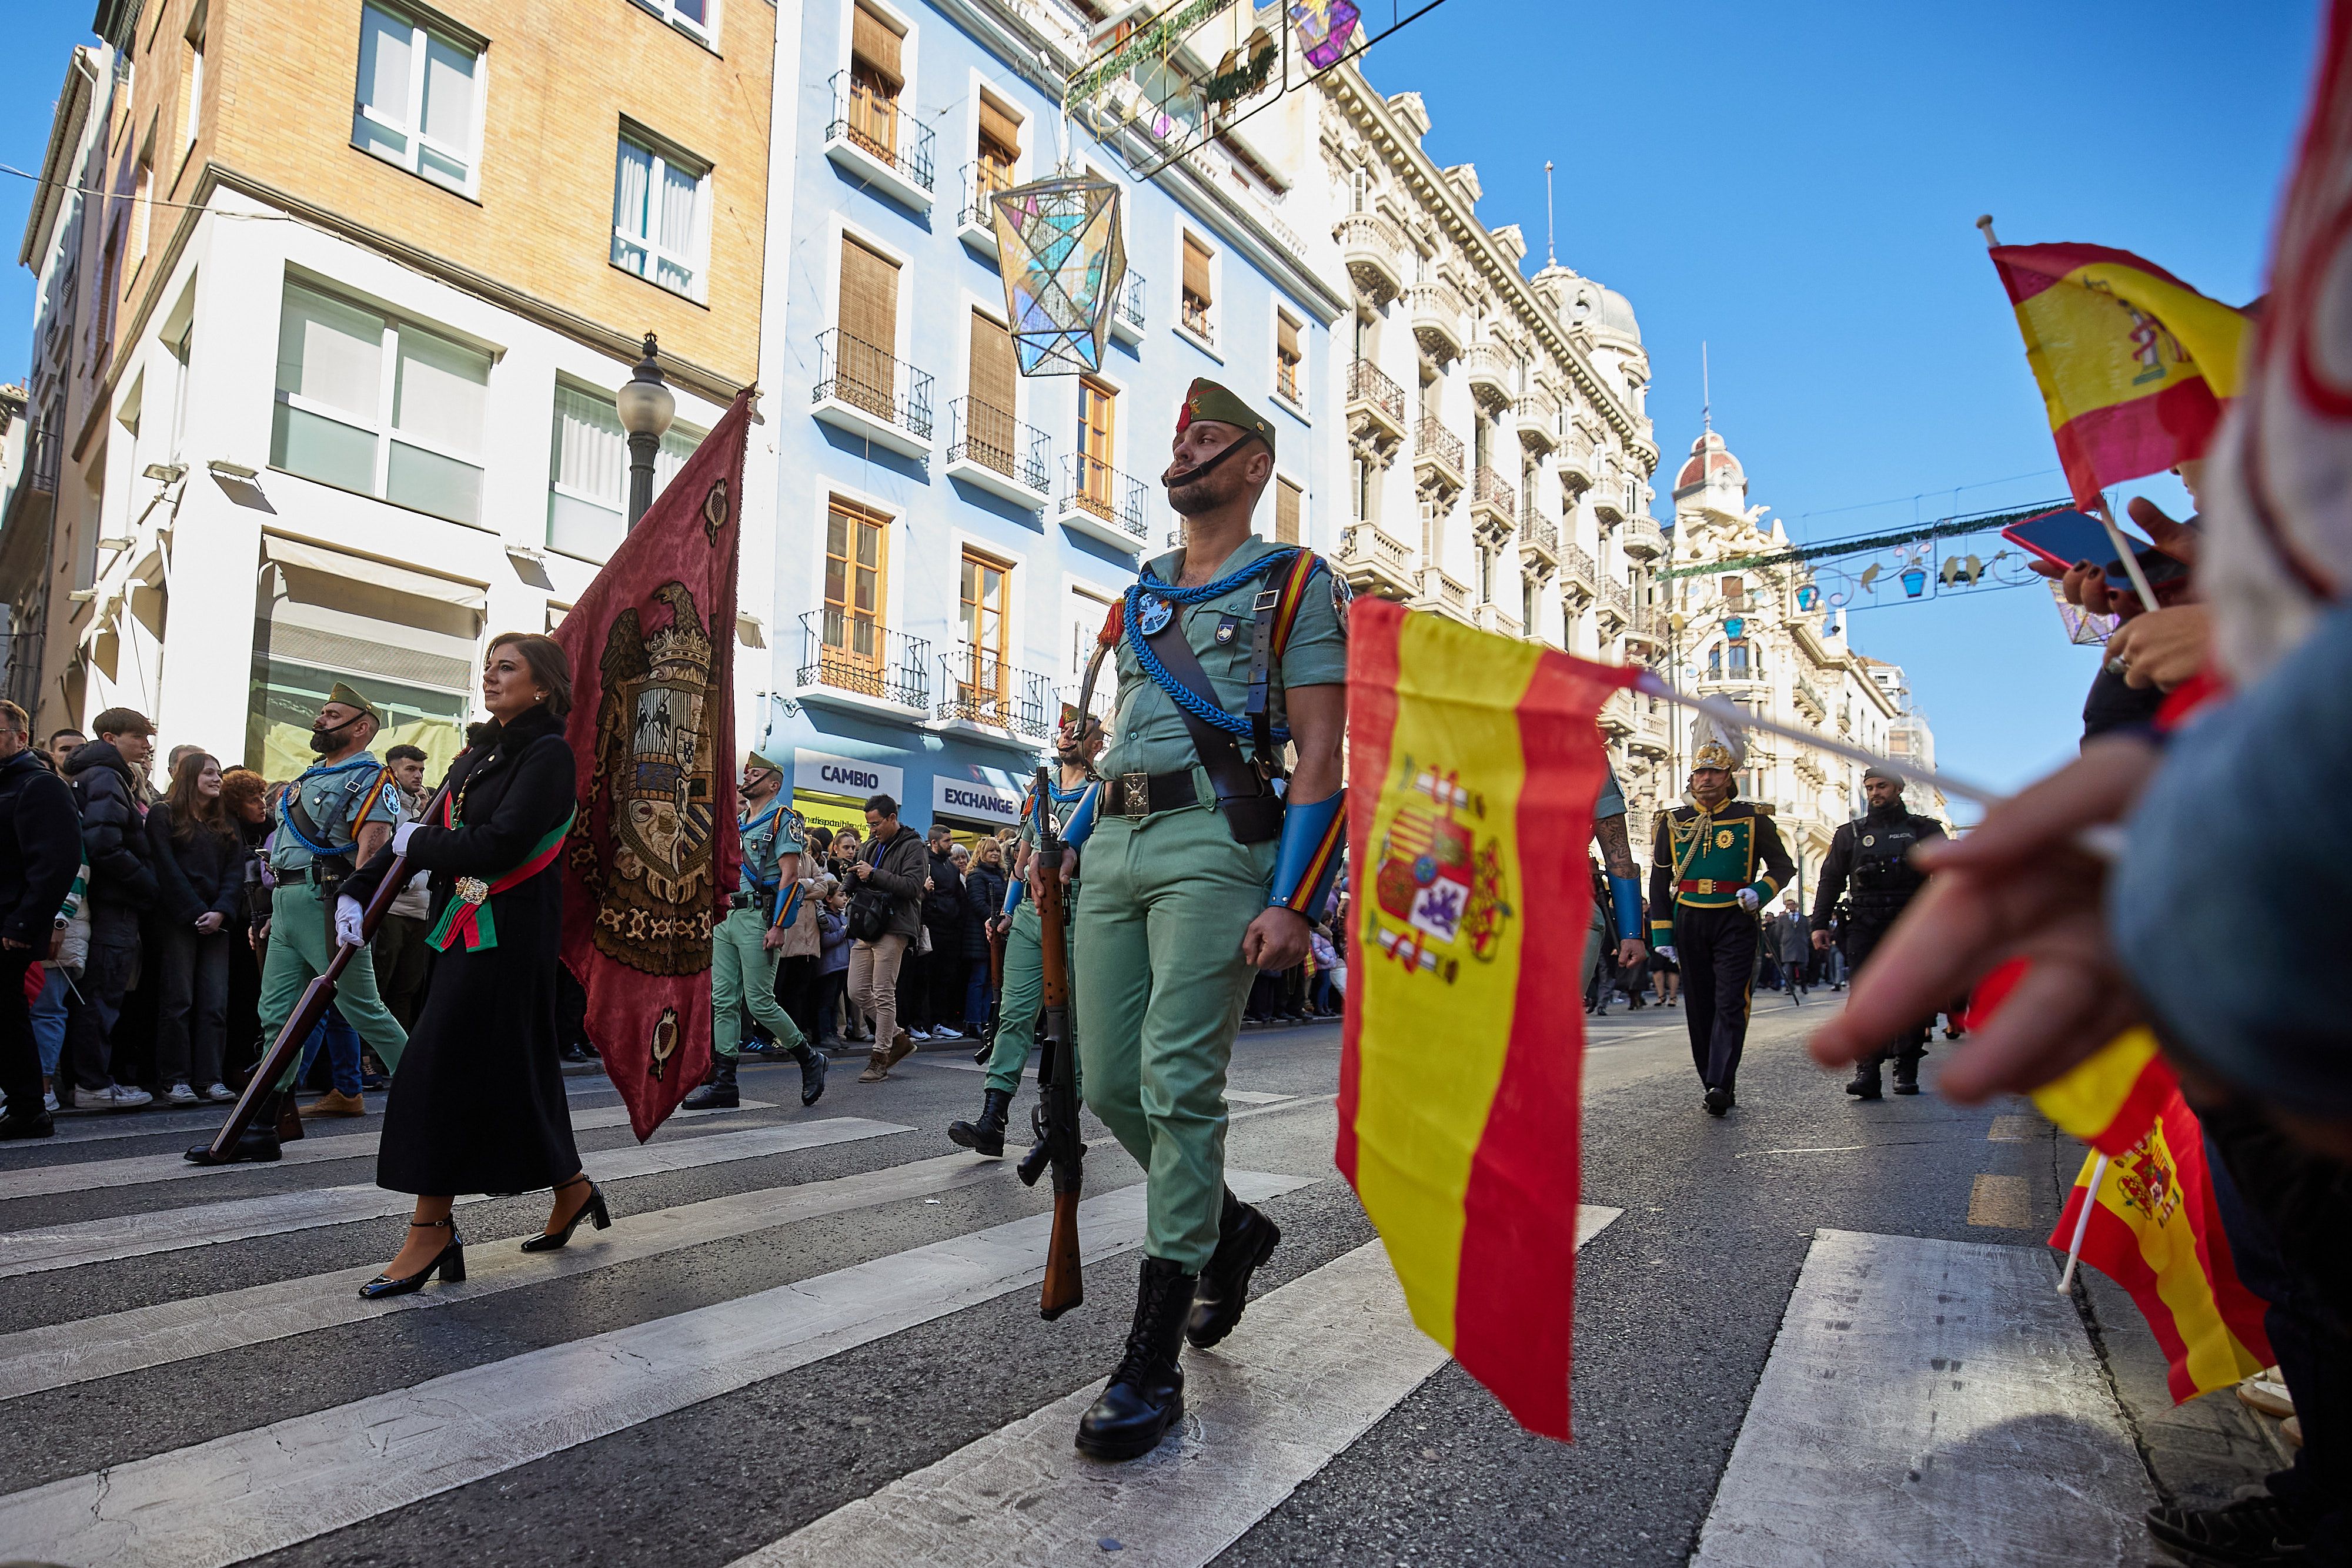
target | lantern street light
[{"x": 646, "y": 407}]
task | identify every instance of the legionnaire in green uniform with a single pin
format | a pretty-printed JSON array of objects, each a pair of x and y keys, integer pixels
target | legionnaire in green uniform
[
  {"x": 1202, "y": 870},
  {"x": 744, "y": 948},
  {"x": 1717, "y": 862},
  {"x": 1076, "y": 798}
]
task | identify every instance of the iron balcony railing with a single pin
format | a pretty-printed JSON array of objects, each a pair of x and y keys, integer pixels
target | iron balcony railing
[
  {"x": 1367, "y": 383},
  {"x": 1618, "y": 597},
  {"x": 982, "y": 181},
  {"x": 983, "y": 434},
  {"x": 1197, "y": 317},
  {"x": 976, "y": 685},
  {"x": 1130, "y": 300},
  {"x": 1537, "y": 529},
  {"x": 41, "y": 461},
  {"x": 1492, "y": 489},
  {"x": 1097, "y": 488},
  {"x": 1576, "y": 562},
  {"x": 868, "y": 379},
  {"x": 851, "y": 652},
  {"x": 872, "y": 122},
  {"x": 1431, "y": 436}
]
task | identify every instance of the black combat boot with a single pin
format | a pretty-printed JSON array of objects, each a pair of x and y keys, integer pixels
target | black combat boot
[
  {"x": 813, "y": 1067},
  {"x": 259, "y": 1142},
  {"x": 1863, "y": 1084},
  {"x": 1146, "y": 1396},
  {"x": 1245, "y": 1238},
  {"x": 1906, "y": 1072},
  {"x": 985, "y": 1136},
  {"x": 718, "y": 1092}
]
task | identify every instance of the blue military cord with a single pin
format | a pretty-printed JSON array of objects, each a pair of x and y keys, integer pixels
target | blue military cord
[{"x": 1198, "y": 706}]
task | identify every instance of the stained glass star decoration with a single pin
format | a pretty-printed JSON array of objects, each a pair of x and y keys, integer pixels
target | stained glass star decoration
[{"x": 1064, "y": 256}]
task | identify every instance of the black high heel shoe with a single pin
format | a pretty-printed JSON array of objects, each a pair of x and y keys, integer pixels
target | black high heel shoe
[
  {"x": 450, "y": 1260},
  {"x": 593, "y": 1209}
]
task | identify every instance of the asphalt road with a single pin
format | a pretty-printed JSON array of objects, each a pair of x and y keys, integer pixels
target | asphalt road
[{"x": 769, "y": 1334}]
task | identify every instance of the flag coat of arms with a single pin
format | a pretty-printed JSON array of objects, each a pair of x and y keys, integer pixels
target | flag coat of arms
[
  {"x": 652, "y": 852},
  {"x": 1475, "y": 761}
]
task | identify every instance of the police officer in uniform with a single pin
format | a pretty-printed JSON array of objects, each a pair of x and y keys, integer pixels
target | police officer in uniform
[
  {"x": 1206, "y": 865},
  {"x": 1716, "y": 861},
  {"x": 1076, "y": 797},
  {"x": 330, "y": 821},
  {"x": 743, "y": 950},
  {"x": 1872, "y": 854}
]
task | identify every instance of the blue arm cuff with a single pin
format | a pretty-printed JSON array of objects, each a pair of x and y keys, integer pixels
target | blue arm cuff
[
  {"x": 1082, "y": 820},
  {"x": 1306, "y": 858},
  {"x": 1625, "y": 893},
  {"x": 1017, "y": 888}
]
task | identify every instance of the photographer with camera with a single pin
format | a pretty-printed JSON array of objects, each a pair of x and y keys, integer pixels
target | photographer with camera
[{"x": 1873, "y": 853}]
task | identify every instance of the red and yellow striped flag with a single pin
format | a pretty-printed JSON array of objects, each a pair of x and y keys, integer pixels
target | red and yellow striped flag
[
  {"x": 1475, "y": 761},
  {"x": 2133, "y": 365},
  {"x": 2157, "y": 1230}
]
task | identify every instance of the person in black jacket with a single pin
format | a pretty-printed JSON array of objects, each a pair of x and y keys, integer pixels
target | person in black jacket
[
  {"x": 108, "y": 776},
  {"x": 983, "y": 899},
  {"x": 40, "y": 851},
  {"x": 943, "y": 965},
  {"x": 199, "y": 860}
]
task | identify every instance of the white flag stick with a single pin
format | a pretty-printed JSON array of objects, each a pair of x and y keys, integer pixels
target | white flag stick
[
  {"x": 2130, "y": 557},
  {"x": 2082, "y": 1224}
]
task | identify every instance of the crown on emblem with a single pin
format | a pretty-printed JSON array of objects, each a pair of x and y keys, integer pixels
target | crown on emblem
[{"x": 682, "y": 647}]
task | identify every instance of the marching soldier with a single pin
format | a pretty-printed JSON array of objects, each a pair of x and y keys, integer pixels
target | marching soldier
[
  {"x": 1873, "y": 854},
  {"x": 1205, "y": 866},
  {"x": 1716, "y": 861},
  {"x": 743, "y": 948},
  {"x": 1077, "y": 796}
]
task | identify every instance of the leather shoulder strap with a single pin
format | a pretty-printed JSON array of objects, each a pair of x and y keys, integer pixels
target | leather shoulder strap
[{"x": 1253, "y": 812}]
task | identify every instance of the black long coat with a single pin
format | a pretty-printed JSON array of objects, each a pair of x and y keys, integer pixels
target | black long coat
[{"x": 478, "y": 1102}]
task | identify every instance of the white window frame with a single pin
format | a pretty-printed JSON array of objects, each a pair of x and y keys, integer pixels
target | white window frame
[
  {"x": 705, "y": 32},
  {"x": 410, "y": 129},
  {"x": 663, "y": 456},
  {"x": 696, "y": 265},
  {"x": 199, "y": 23}
]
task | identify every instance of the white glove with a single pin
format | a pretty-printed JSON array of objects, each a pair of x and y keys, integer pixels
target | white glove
[
  {"x": 1666, "y": 953},
  {"x": 400, "y": 835},
  {"x": 1748, "y": 900},
  {"x": 348, "y": 918}
]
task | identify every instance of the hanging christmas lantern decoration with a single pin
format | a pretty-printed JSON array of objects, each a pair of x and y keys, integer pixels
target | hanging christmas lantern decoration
[
  {"x": 1807, "y": 595},
  {"x": 1734, "y": 628},
  {"x": 1326, "y": 29},
  {"x": 1064, "y": 255}
]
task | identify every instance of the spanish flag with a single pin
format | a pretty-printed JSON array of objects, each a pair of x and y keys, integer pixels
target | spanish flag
[
  {"x": 1476, "y": 761},
  {"x": 2156, "y": 1229},
  {"x": 2133, "y": 365}
]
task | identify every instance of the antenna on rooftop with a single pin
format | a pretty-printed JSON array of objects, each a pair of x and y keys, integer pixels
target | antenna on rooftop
[
  {"x": 1706, "y": 396},
  {"x": 1551, "y": 258}
]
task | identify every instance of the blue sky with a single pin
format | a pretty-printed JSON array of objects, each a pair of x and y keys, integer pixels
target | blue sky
[{"x": 1795, "y": 185}]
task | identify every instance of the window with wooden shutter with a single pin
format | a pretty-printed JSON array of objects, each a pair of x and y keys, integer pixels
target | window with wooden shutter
[
  {"x": 1097, "y": 407},
  {"x": 988, "y": 420},
  {"x": 855, "y": 557},
  {"x": 1197, "y": 300},
  {"x": 999, "y": 149},
  {"x": 867, "y": 374},
  {"x": 1287, "y": 498},
  {"x": 983, "y": 678},
  {"x": 1287, "y": 356},
  {"x": 876, "y": 76}
]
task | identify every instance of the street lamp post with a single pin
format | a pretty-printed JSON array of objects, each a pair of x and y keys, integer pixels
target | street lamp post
[{"x": 646, "y": 407}]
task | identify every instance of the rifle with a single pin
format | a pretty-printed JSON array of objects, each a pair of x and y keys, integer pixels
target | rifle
[
  {"x": 1056, "y": 1117},
  {"x": 305, "y": 1018},
  {"x": 995, "y": 990}
]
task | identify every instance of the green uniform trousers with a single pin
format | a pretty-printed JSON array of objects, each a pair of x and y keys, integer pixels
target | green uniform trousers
[
  {"x": 300, "y": 947},
  {"x": 1160, "y": 986},
  {"x": 743, "y": 974},
  {"x": 1025, "y": 995}
]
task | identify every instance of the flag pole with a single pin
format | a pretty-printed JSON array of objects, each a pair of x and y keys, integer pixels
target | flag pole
[{"x": 2082, "y": 1224}]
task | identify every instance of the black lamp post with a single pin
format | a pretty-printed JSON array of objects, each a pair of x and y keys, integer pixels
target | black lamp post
[{"x": 646, "y": 407}]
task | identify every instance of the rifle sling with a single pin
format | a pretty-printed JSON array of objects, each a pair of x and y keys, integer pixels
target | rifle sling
[{"x": 1252, "y": 811}]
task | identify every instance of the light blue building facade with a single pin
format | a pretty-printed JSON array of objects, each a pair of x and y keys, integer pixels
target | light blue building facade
[{"x": 948, "y": 535}]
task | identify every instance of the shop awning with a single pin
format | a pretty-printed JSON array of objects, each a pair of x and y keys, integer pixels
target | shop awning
[{"x": 405, "y": 579}]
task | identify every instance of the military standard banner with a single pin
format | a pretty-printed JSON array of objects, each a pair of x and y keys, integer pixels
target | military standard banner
[
  {"x": 1475, "y": 761},
  {"x": 647, "y": 866}
]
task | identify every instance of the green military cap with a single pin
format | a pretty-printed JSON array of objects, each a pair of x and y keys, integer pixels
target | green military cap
[
  {"x": 1207, "y": 400},
  {"x": 351, "y": 699},
  {"x": 764, "y": 758}
]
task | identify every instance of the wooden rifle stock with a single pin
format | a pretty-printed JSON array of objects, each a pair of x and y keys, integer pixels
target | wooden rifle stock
[
  {"x": 1064, "y": 1287},
  {"x": 1058, "y": 1115},
  {"x": 311, "y": 1008}
]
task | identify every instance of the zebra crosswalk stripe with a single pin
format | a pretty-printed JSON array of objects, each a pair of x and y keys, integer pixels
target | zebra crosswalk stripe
[
  {"x": 236, "y": 1220},
  {"x": 260, "y": 1490},
  {"x": 1314, "y": 1364}
]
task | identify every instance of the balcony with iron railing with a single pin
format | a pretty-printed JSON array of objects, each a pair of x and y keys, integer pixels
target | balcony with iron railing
[
  {"x": 982, "y": 695},
  {"x": 1577, "y": 576},
  {"x": 863, "y": 390},
  {"x": 1616, "y": 603},
  {"x": 1102, "y": 502},
  {"x": 976, "y": 218},
  {"x": 1539, "y": 535},
  {"x": 853, "y": 662},
  {"x": 1198, "y": 317},
  {"x": 989, "y": 449},
  {"x": 1648, "y": 629},
  {"x": 41, "y": 456},
  {"x": 873, "y": 140},
  {"x": 1811, "y": 698},
  {"x": 1371, "y": 250},
  {"x": 1126, "y": 313},
  {"x": 1375, "y": 403},
  {"x": 1494, "y": 502},
  {"x": 1437, "y": 454}
]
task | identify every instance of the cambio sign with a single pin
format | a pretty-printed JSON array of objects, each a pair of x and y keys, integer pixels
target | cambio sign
[
  {"x": 823, "y": 773},
  {"x": 976, "y": 801}
]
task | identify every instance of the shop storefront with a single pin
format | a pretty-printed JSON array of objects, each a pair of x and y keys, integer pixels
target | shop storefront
[{"x": 830, "y": 790}]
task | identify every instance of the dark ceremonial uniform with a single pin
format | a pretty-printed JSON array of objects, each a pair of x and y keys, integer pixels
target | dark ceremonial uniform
[
  {"x": 1869, "y": 865},
  {"x": 1700, "y": 865}
]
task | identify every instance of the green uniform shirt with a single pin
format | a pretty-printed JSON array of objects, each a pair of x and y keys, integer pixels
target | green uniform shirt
[
  {"x": 1742, "y": 849},
  {"x": 1148, "y": 730},
  {"x": 340, "y": 797},
  {"x": 766, "y": 838}
]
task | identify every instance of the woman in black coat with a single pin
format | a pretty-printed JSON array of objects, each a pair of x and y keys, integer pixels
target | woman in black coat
[
  {"x": 199, "y": 860},
  {"x": 477, "y": 1105}
]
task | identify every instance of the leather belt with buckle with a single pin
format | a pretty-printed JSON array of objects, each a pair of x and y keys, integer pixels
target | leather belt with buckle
[{"x": 1141, "y": 794}]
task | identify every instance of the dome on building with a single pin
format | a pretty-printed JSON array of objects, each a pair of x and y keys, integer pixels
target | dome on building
[
  {"x": 1614, "y": 313},
  {"x": 1710, "y": 460}
]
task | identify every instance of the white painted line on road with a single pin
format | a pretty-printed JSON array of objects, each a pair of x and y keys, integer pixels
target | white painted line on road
[
  {"x": 1314, "y": 1364},
  {"x": 921, "y": 1061},
  {"x": 34, "y": 1181},
  {"x": 1929, "y": 1401},
  {"x": 1304, "y": 1103},
  {"x": 60, "y": 1354},
  {"x": 262, "y": 1491},
  {"x": 1248, "y": 1097},
  {"x": 196, "y": 1123},
  {"x": 236, "y": 1220}
]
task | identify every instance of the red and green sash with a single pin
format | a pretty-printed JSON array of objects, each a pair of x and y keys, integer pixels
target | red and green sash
[{"x": 467, "y": 918}]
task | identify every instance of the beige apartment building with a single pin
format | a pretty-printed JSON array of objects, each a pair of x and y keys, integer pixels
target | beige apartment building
[{"x": 335, "y": 297}]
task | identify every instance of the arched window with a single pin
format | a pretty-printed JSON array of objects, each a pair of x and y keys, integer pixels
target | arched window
[{"x": 1715, "y": 662}]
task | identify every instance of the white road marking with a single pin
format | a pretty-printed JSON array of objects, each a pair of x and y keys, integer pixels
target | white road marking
[
  {"x": 1929, "y": 1401},
  {"x": 34, "y": 1181},
  {"x": 1314, "y": 1364},
  {"x": 59, "y": 1355},
  {"x": 236, "y": 1219},
  {"x": 250, "y": 1492},
  {"x": 1251, "y": 1097}
]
